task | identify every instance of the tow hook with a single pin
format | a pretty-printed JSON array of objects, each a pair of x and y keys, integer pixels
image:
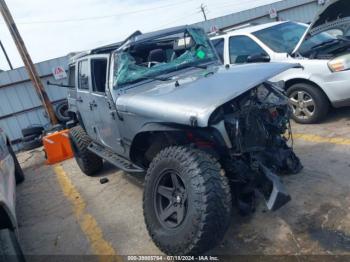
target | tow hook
[{"x": 273, "y": 190}]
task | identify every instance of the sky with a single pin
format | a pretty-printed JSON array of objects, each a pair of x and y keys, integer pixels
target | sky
[{"x": 55, "y": 28}]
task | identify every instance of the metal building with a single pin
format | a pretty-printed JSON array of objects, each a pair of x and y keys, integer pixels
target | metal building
[
  {"x": 296, "y": 10},
  {"x": 20, "y": 106}
]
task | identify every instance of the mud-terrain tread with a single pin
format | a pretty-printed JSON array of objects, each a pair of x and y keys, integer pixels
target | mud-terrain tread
[
  {"x": 215, "y": 209},
  {"x": 90, "y": 163}
]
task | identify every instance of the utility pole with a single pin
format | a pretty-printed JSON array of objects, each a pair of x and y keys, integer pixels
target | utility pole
[
  {"x": 33, "y": 74},
  {"x": 203, "y": 7},
  {"x": 6, "y": 56}
]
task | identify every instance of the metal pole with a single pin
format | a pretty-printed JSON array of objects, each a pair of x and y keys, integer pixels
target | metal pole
[
  {"x": 28, "y": 62},
  {"x": 203, "y": 11},
  {"x": 6, "y": 56}
]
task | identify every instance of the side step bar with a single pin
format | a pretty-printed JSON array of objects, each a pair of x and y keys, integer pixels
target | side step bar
[{"x": 115, "y": 159}]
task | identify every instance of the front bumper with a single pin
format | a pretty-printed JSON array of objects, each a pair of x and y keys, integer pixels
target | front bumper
[
  {"x": 341, "y": 103},
  {"x": 337, "y": 87},
  {"x": 273, "y": 190}
]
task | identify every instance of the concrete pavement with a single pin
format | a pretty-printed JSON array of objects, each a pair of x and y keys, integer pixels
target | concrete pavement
[{"x": 61, "y": 211}]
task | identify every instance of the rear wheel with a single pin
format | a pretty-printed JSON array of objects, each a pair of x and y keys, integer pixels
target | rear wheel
[
  {"x": 10, "y": 249},
  {"x": 88, "y": 162},
  {"x": 187, "y": 201},
  {"x": 309, "y": 104}
]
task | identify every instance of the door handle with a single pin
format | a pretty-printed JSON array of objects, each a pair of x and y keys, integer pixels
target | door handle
[{"x": 79, "y": 99}]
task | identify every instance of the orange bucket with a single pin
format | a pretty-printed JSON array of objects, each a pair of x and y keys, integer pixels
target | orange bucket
[{"x": 57, "y": 147}]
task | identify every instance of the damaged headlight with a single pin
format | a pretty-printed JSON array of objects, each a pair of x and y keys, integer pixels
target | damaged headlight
[
  {"x": 268, "y": 94},
  {"x": 340, "y": 63}
]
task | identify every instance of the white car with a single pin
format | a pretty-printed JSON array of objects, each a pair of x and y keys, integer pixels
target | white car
[
  {"x": 10, "y": 175},
  {"x": 322, "y": 49}
]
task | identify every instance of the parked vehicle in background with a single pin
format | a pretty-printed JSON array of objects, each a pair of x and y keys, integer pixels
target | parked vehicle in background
[
  {"x": 162, "y": 104},
  {"x": 322, "y": 49},
  {"x": 10, "y": 174}
]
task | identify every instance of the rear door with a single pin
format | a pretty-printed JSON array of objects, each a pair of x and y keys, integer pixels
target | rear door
[
  {"x": 107, "y": 130},
  {"x": 83, "y": 100}
]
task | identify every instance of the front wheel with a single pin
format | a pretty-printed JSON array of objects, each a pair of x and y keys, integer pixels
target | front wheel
[
  {"x": 186, "y": 202},
  {"x": 309, "y": 104}
]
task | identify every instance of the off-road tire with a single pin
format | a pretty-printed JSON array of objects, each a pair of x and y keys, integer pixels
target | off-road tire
[
  {"x": 30, "y": 138},
  {"x": 10, "y": 249},
  {"x": 88, "y": 162},
  {"x": 208, "y": 206},
  {"x": 30, "y": 145},
  {"x": 19, "y": 175},
  {"x": 320, "y": 100},
  {"x": 35, "y": 130},
  {"x": 61, "y": 112}
]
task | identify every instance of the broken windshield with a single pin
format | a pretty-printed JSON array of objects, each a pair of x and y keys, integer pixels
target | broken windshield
[{"x": 155, "y": 57}]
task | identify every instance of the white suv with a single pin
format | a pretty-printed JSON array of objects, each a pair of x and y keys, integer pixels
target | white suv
[{"x": 322, "y": 49}]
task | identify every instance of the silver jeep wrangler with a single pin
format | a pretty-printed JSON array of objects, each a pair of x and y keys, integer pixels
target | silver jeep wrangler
[{"x": 204, "y": 135}]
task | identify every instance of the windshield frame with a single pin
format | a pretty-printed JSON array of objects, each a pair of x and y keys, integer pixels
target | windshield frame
[{"x": 214, "y": 57}]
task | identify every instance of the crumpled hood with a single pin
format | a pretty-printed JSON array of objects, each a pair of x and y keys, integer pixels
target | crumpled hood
[
  {"x": 334, "y": 15},
  {"x": 196, "y": 96}
]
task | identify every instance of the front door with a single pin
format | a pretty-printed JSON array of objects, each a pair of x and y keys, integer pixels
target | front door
[
  {"x": 107, "y": 130},
  {"x": 84, "y": 104},
  {"x": 241, "y": 47}
]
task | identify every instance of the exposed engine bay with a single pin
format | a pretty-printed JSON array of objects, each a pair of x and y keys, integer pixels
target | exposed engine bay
[{"x": 257, "y": 123}]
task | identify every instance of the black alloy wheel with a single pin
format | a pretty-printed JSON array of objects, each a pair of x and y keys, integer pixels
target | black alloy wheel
[{"x": 170, "y": 199}]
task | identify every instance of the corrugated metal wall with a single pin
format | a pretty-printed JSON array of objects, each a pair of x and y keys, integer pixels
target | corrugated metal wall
[
  {"x": 20, "y": 106},
  {"x": 297, "y": 10}
]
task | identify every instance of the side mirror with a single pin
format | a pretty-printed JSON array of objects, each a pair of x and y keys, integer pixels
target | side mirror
[{"x": 258, "y": 58}]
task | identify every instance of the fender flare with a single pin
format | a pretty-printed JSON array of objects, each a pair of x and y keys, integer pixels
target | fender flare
[
  {"x": 6, "y": 217},
  {"x": 154, "y": 127},
  {"x": 146, "y": 129},
  {"x": 159, "y": 127}
]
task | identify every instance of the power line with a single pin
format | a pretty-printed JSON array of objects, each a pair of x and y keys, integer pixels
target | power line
[
  {"x": 103, "y": 17},
  {"x": 176, "y": 20},
  {"x": 6, "y": 56},
  {"x": 27, "y": 60},
  {"x": 259, "y": 2}
]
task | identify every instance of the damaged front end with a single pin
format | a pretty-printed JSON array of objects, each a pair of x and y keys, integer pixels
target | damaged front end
[{"x": 257, "y": 130}]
